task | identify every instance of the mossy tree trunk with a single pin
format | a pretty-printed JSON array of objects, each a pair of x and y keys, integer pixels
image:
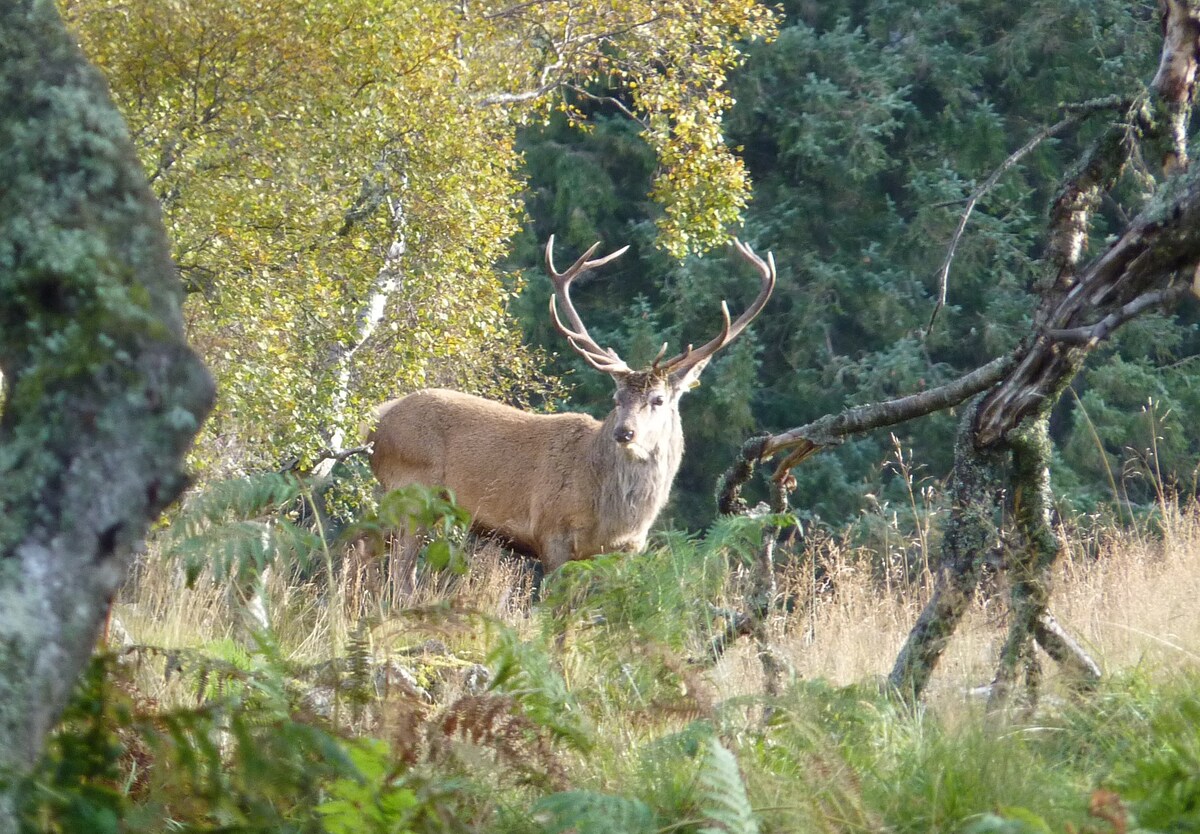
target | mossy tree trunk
[
  {"x": 969, "y": 536},
  {"x": 102, "y": 397},
  {"x": 1153, "y": 264},
  {"x": 1028, "y": 568}
]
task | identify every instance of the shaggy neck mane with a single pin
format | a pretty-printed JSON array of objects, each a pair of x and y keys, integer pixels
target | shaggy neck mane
[{"x": 633, "y": 490}]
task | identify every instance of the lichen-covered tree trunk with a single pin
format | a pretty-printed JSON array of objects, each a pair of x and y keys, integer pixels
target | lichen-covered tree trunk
[
  {"x": 103, "y": 395},
  {"x": 970, "y": 534},
  {"x": 1153, "y": 264},
  {"x": 1028, "y": 567}
]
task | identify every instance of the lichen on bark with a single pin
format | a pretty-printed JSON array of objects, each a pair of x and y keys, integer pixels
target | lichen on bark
[
  {"x": 103, "y": 396},
  {"x": 970, "y": 534}
]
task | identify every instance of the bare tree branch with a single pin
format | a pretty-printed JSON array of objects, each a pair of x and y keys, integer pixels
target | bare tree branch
[
  {"x": 611, "y": 100},
  {"x": 1075, "y": 111},
  {"x": 988, "y": 185},
  {"x": 519, "y": 98},
  {"x": 1175, "y": 80},
  {"x": 1161, "y": 242},
  {"x": 1090, "y": 335},
  {"x": 832, "y": 430}
]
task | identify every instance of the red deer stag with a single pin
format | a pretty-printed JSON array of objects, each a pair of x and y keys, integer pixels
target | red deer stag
[{"x": 564, "y": 486}]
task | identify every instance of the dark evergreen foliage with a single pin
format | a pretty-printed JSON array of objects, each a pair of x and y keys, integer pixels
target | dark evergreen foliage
[{"x": 866, "y": 128}]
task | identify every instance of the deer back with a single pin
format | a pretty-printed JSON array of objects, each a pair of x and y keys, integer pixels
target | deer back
[
  {"x": 561, "y": 485},
  {"x": 493, "y": 457}
]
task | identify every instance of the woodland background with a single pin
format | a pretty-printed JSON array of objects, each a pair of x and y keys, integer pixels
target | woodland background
[
  {"x": 357, "y": 195},
  {"x": 864, "y": 128}
]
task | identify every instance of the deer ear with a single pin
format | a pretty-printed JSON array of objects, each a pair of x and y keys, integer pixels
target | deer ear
[{"x": 689, "y": 378}]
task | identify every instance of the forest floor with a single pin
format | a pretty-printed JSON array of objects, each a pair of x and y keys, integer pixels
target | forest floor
[{"x": 583, "y": 716}]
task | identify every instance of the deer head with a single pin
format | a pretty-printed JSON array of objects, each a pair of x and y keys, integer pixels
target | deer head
[{"x": 647, "y": 401}]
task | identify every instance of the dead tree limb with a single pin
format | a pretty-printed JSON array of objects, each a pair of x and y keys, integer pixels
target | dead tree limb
[
  {"x": 1158, "y": 248},
  {"x": 832, "y": 430},
  {"x": 1001, "y": 438}
]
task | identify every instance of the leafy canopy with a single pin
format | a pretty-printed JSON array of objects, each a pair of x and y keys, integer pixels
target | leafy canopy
[{"x": 298, "y": 148}]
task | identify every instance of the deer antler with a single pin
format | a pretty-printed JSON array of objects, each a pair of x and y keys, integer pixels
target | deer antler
[
  {"x": 729, "y": 330},
  {"x": 602, "y": 359}
]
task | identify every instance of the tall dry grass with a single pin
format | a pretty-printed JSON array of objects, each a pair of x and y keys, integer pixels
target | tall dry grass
[
  {"x": 1128, "y": 594},
  {"x": 1131, "y": 596},
  {"x": 313, "y": 618}
]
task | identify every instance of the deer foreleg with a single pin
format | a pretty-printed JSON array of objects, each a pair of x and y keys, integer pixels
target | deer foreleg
[{"x": 557, "y": 549}]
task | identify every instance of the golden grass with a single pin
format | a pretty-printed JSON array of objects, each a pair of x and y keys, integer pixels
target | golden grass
[{"x": 1128, "y": 596}]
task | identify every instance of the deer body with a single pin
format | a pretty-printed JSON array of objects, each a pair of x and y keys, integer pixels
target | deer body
[
  {"x": 564, "y": 486},
  {"x": 558, "y": 485}
]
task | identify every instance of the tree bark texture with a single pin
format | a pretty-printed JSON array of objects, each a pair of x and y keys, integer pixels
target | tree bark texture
[
  {"x": 1152, "y": 264},
  {"x": 1028, "y": 564},
  {"x": 104, "y": 397},
  {"x": 970, "y": 534},
  {"x": 1160, "y": 245}
]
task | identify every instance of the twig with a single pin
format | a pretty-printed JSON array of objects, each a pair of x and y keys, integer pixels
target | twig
[
  {"x": 615, "y": 102},
  {"x": 1092, "y": 334},
  {"x": 977, "y": 194},
  {"x": 338, "y": 457}
]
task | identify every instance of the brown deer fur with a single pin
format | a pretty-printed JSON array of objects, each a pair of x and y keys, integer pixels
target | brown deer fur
[{"x": 564, "y": 486}]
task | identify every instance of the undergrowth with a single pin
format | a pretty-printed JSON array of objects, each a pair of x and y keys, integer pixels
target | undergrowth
[{"x": 599, "y": 708}]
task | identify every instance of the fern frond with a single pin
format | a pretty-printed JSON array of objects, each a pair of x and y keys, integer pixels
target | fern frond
[
  {"x": 723, "y": 794},
  {"x": 495, "y": 722},
  {"x": 238, "y": 527},
  {"x": 587, "y": 812},
  {"x": 359, "y": 684},
  {"x": 740, "y": 536},
  {"x": 525, "y": 672},
  {"x": 247, "y": 497}
]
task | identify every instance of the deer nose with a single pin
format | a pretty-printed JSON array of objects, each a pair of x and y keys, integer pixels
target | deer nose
[{"x": 623, "y": 434}]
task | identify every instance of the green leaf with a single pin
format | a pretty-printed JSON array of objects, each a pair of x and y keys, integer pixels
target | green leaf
[
  {"x": 724, "y": 794},
  {"x": 438, "y": 554}
]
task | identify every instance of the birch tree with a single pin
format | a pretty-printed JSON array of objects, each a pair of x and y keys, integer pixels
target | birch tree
[{"x": 340, "y": 180}]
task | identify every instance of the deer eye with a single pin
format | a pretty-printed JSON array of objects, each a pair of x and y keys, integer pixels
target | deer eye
[{"x": 657, "y": 400}]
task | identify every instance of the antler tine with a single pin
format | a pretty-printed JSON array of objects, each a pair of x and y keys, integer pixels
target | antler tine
[
  {"x": 662, "y": 351},
  {"x": 731, "y": 330},
  {"x": 581, "y": 265},
  {"x": 602, "y": 359}
]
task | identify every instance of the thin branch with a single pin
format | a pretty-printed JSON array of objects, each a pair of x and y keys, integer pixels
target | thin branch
[
  {"x": 833, "y": 429},
  {"x": 615, "y": 102},
  {"x": 988, "y": 184},
  {"x": 339, "y": 456},
  {"x": 1090, "y": 335},
  {"x": 1101, "y": 103},
  {"x": 518, "y": 98}
]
